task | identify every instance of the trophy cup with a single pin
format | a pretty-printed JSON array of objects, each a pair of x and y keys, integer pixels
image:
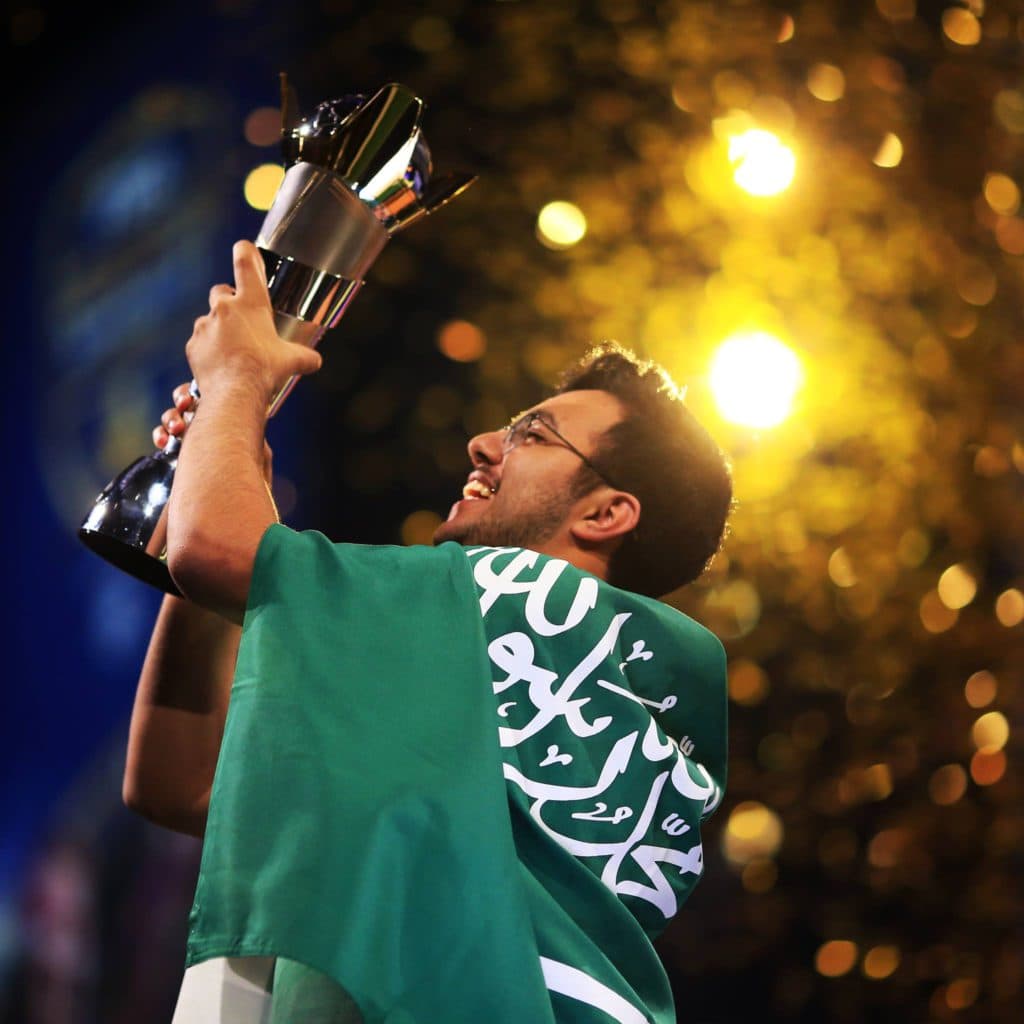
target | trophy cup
[{"x": 357, "y": 171}]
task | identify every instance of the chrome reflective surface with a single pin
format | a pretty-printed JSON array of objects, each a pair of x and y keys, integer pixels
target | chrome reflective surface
[
  {"x": 317, "y": 219},
  {"x": 128, "y": 523}
]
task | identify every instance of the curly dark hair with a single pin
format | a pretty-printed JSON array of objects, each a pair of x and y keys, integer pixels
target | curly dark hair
[{"x": 661, "y": 454}]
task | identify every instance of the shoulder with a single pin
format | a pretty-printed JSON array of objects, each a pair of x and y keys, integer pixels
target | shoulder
[{"x": 309, "y": 560}]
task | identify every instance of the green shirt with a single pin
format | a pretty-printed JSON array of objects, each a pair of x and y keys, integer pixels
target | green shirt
[{"x": 460, "y": 782}]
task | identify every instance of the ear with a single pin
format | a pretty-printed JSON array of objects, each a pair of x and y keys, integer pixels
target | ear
[{"x": 607, "y": 517}]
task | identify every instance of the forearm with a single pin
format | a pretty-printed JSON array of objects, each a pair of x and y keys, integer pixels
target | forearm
[
  {"x": 178, "y": 717},
  {"x": 220, "y": 505}
]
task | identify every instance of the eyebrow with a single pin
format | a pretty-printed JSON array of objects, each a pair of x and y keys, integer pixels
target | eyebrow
[{"x": 546, "y": 417}]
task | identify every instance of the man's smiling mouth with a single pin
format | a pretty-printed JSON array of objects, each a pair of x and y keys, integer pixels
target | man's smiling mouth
[{"x": 477, "y": 490}]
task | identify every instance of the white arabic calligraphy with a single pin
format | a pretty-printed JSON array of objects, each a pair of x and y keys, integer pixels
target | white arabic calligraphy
[{"x": 551, "y": 697}]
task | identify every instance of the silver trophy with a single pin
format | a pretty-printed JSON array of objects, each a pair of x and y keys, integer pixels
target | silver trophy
[{"x": 357, "y": 171}]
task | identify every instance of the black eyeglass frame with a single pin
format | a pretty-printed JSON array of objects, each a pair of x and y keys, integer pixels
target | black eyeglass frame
[{"x": 521, "y": 427}]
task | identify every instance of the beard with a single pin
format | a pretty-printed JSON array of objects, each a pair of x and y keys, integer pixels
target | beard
[{"x": 530, "y": 526}]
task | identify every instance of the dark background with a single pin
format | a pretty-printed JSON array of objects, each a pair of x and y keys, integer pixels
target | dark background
[{"x": 902, "y": 289}]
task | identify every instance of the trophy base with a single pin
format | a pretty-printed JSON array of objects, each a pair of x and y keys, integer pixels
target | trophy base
[
  {"x": 130, "y": 560},
  {"x": 128, "y": 523}
]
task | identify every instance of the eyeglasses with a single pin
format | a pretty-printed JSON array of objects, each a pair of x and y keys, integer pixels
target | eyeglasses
[{"x": 522, "y": 430}]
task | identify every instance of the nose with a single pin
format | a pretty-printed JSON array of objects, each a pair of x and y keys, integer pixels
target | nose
[{"x": 486, "y": 449}]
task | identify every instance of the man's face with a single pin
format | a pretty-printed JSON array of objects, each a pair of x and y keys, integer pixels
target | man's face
[{"x": 525, "y": 497}]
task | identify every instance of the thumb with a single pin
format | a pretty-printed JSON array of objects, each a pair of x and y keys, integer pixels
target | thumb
[{"x": 303, "y": 360}]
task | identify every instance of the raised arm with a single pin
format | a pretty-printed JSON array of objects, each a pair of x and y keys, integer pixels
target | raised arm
[{"x": 220, "y": 506}]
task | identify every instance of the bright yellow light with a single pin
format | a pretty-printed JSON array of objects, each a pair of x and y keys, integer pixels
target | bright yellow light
[
  {"x": 890, "y": 151},
  {"x": 764, "y": 166},
  {"x": 990, "y": 732},
  {"x": 957, "y": 587},
  {"x": 754, "y": 378},
  {"x": 261, "y": 185},
  {"x": 752, "y": 832},
  {"x": 561, "y": 225}
]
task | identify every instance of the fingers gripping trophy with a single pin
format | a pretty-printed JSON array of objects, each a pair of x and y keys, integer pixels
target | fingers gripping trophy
[{"x": 358, "y": 170}]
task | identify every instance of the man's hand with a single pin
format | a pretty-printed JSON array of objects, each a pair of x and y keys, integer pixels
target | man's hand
[
  {"x": 220, "y": 506},
  {"x": 174, "y": 422},
  {"x": 236, "y": 343}
]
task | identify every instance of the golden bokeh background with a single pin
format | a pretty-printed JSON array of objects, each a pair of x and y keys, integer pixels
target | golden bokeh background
[{"x": 837, "y": 186}]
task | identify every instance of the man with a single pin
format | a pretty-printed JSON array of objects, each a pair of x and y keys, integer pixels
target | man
[{"x": 409, "y": 842}]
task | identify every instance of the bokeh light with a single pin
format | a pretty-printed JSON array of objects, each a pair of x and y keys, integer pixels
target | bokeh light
[
  {"x": 1001, "y": 193},
  {"x": 748, "y": 682},
  {"x": 764, "y": 166},
  {"x": 755, "y": 378},
  {"x": 990, "y": 732},
  {"x": 988, "y": 768},
  {"x": 836, "y": 958},
  {"x": 961, "y": 26},
  {"x": 418, "y": 527},
  {"x": 881, "y": 962},
  {"x": 560, "y": 225},
  {"x": 961, "y": 993},
  {"x": 981, "y": 689},
  {"x": 261, "y": 185},
  {"x": 957, "y": 587},
  {"x": 947, "y": 784},
  {"x": 1010, "y": 608},
  {"x": 826, "y": 82},
  {"x": 759, "y": 875},
  {"x": 897, "y": 10},
  {"x": 461, "y": 341},
  {"x": 752, "y": 832},
  {"x": 936, "y": 615},
  {"x": 889, "y": 152},
  {"x": 263, "y": 126}
]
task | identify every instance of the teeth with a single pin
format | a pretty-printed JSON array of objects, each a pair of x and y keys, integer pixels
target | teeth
[{"x": 476, "y": 489}]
